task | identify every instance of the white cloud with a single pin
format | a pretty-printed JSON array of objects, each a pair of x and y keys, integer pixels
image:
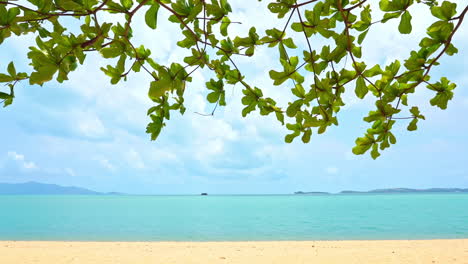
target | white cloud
[
  {"x": 209, "y": 148},
  {"x": 332, "y": 170},
  {"x": 29, "y": 165},
  {"x": 89, "y": 124},
  {"x": 106, "y": 164},
  {"x": 465, "y": 101},
  {"x": 349, "y": 155},
  {"x": 134, "y": 159},
  {"x": 70, "y": 172},
  {"x": 15, "y": 156},
  {"x": 211, "y": 138}
]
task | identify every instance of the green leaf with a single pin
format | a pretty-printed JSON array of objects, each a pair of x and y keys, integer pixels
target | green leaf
[
  {"x": 306, "y": 136},
  {"x": 151, "y": 16},
  {"x": 363, "y": 144},
  {"x": 392, "y": 138},
  {"x": 213, "y": 97},
  {"x": 280, "y": 8},
  {"x": 375, "y": 151},
  {"x": 441, "y": 99},
  {"x": 3, "y": 15},
  {"x": 389, "y": 16},
  {"x": 248, "y": 109},
  {"x": 5, "y": 96},
  {"x": 361, "y": 87},
  {"x": 413, "y": 125},
  {"x": 11, "y": 69},
  {"x": 444, "y": 92},
  {"x": 159, "y": 88},
  {"x": 393, "y": 5},
  {"x": 415, "y": 111},
  {"x": 289, "y": 43},
  {"x": 362, "y": 36},
  {"x": 451, "y": 50},
  {"x": 12, "y": 14},
  {"x": 5, "y": 78},
  {"x": 445, "y": 12},
  {"x": 43, "y": 74},
  {"x": 405, "y": 23},
  {"x": 290, "y": 137},
  {"x": 126, "y": 3},
  {"x": 154, "y": 128},
  {"x": 282, "y": 51},
  {"x": 280, "y": 117},
  {"x": 7, "y": 102},
  {"x": 293, "y": 108},
  {"x": 111, "y": 52},
  {"x": 322, "y": 129},
  {"x": 376, "y": 70},
  {"x": 225, "y": 22},
  {"x": 222, "y": 99}
]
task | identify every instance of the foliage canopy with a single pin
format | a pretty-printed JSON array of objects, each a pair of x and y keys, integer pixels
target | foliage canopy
[{"x": 204, "y": 30}]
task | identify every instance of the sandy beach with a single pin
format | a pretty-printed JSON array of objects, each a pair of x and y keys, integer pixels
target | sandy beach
[{"x": 328, "y": 252}]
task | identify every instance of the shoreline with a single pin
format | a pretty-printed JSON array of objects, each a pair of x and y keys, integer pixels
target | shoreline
[
  {"x": 229, "y": 241},
  {"x": 445, "y": 251}
]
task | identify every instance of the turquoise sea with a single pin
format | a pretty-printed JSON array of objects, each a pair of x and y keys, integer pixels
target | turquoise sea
[{"x": 232, "y": 218}]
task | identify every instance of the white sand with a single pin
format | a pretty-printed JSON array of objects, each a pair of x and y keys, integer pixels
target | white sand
[{"x": 272, "y": 252}]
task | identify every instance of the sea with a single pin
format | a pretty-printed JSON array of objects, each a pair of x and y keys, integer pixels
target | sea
[{"x": 234, "y": 217}]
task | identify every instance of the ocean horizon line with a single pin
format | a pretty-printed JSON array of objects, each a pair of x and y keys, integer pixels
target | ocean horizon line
[{"x": 38, "y": 188}]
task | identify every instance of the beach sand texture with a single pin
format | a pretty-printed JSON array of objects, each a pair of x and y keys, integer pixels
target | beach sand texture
[{"x": 271, "y": 252}]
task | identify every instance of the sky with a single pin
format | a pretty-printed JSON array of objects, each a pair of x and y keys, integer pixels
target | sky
[{"x": 89, "y": 133}]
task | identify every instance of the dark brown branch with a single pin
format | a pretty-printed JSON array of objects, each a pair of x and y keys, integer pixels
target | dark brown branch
[
  {"x": 356, "y": 5},
  {"x": 312, "y": 62},
  {"x": 131, "y": 14},
  {"x": 402, "y": 118},
  {"x": 180, "y": 18},
  {"x": 302, "y": 4},
  {"x": 208, "y": 18}
]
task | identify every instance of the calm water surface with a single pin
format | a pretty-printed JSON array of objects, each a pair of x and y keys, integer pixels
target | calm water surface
[{"x": 231, "y": 218}]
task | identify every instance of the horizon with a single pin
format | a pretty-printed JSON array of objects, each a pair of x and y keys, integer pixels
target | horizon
[{"x": 305, "y": 192}]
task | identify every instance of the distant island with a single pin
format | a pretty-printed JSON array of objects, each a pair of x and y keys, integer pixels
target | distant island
[
  {"x": 311, "y": 193},
  {"x": 393, "y": 190},
  {"x": 36, "y": 188}
]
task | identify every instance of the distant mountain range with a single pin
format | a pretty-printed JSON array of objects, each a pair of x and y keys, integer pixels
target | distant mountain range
[
  {"x": 394, "y": 190},
  {"x": 36, "y": 188},
  {"x": 42, "y": 188},
  {"x": 311, "y": 193}
]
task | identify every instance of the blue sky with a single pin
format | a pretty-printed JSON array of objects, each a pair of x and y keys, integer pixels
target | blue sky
[{"x": 87, "y": 132}]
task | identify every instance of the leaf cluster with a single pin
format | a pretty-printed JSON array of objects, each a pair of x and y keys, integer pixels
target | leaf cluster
[{"x": 317, "y": 75}]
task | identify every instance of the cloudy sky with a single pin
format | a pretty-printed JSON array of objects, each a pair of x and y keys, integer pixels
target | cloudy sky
[{"x": 87, "y": 132}]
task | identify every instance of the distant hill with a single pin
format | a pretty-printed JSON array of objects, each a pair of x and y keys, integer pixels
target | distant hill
[
  {"x": 408, "y": 190},
  {"x": 394, "y": 190},
  {"x": 311, "y": 193},
  {"x": 42, "y": 188}
]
